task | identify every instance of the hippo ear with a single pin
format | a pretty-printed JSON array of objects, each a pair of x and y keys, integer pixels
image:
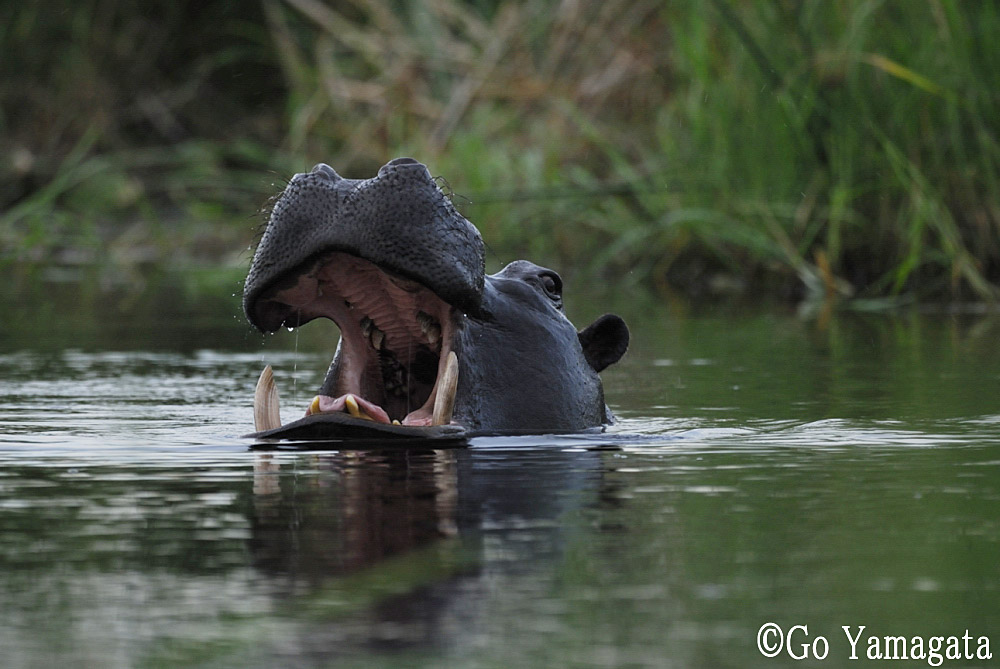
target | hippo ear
[{"x": 604, "y": 341}]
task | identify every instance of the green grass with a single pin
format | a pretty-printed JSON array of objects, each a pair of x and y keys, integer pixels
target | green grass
[{"x": 789, "y": 149}]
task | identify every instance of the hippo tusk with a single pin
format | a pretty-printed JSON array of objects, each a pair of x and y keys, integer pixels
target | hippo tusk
[
  {"x": 444, "y": 403},
  {"x": 266, "y": 410}
]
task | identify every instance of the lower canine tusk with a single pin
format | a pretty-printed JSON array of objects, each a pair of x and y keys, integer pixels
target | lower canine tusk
[
  {"x": 266, "y": 411},
  {"x": 444, "y": 403}
]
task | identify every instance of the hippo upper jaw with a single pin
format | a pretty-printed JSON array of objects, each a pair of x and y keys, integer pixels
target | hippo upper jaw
[{"x": 399, "y": 220}]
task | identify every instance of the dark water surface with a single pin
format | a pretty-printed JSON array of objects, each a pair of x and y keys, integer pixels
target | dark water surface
[{"x": 767, "y": 468}]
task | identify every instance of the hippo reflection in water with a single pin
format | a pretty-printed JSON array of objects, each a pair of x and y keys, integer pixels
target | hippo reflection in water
[{"x": 430, "y": 345}]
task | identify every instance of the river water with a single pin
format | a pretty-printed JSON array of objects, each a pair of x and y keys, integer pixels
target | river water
[{"x": 767, "y": 468}]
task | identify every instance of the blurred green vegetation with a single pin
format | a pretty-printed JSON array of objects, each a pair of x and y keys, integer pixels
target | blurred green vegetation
[{"x": 793, "y": 149}]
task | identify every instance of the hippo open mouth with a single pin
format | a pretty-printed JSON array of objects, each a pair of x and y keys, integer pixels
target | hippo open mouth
[
  {"x": 430, "y": 345},
  {"x": 394, "y": 265},
  {"x": 396, "y": 340}
]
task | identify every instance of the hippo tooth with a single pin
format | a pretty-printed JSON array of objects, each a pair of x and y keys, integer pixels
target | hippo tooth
[
  {"x": 444, "y": 403},
  {"x": 366, "y": 327},
  {"x": 352, "y": 408},
  {"x": 377, "y": 338},
  {"x": 266, "y": 411},
  {"x": 429, "y": 326}
]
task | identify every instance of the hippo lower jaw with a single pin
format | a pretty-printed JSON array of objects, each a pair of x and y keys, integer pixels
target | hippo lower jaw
[{"x": 395, "y": 362}]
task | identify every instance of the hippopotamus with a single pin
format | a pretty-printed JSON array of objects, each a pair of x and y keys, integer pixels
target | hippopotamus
[{"x": 430, "y": 345}]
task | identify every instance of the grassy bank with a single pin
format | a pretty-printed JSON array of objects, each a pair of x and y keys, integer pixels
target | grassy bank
[{"x": 791, "y": 149}]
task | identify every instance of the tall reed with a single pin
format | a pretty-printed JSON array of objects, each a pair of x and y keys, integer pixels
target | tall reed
[
  {"x": 793, "y": 149},
  {"x": 800, "y": 147}
]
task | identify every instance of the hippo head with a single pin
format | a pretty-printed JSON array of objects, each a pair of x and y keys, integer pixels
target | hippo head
[{"x": 427, "y": 337}]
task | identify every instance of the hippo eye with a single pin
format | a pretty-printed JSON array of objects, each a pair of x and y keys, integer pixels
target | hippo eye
[{"x": 552, "y": 286}]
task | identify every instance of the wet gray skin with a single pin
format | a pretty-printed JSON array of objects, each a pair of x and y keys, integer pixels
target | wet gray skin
[{"x": 401, "y": 272}]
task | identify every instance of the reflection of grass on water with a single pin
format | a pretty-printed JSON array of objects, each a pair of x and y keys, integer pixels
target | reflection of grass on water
[{"x": 712, "y": 147}]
